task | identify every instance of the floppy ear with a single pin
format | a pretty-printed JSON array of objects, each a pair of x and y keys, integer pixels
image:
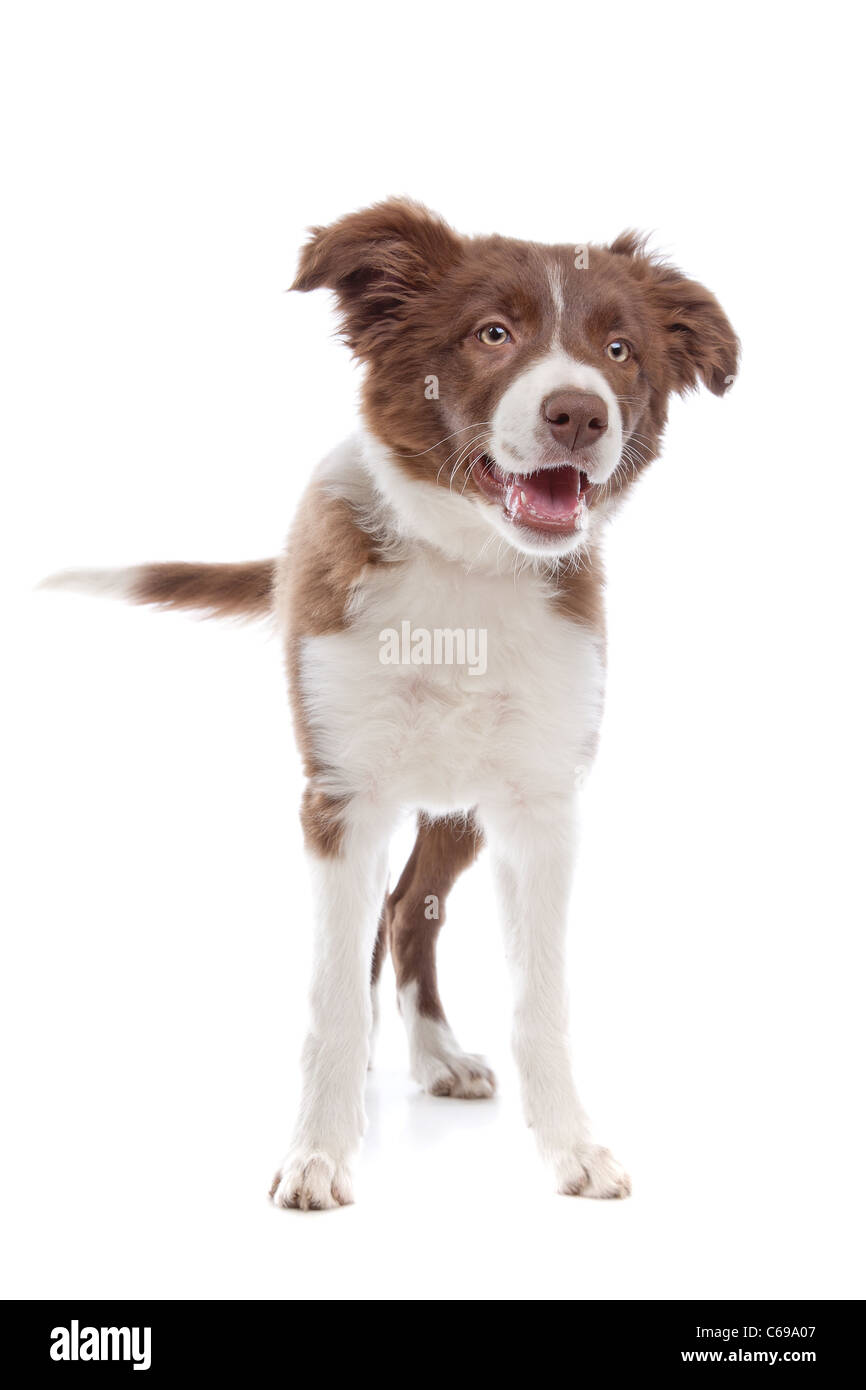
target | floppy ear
[
  {"x": 377, "y": 261},
  {"x": 701, "y": 344}
]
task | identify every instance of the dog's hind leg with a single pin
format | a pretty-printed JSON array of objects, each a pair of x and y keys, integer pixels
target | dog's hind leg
[{"x": 413, "y": 915}]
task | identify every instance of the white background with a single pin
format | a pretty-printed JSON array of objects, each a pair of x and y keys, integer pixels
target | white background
[{"x": 164, "y": 398}]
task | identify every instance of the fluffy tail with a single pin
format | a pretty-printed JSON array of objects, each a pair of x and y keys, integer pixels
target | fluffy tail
[{"x": 217, "y": 591}]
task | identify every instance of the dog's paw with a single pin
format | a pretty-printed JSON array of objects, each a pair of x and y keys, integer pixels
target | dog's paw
[
  {"x": 312, "y": 1182},
  {"x": 462, "y": 1075},
  {"x": 437, "y": 1061},
  {"x": 590, "y": 1171}
]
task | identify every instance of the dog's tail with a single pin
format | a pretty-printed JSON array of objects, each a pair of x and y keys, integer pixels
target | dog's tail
[{"x": 217, "y": 591}]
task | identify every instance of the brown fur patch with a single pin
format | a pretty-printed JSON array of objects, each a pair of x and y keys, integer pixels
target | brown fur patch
[
  {"x": 321, "y": 820},
  {"x": 231, "y": 590},
  {"x": 328, "y": 551},
  {"x": 327, "y": 554},
  {"x": 579, "y": 593}
]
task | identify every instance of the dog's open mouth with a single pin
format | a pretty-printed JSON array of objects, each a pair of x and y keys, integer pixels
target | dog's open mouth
[{"x": 551, "y": 500}]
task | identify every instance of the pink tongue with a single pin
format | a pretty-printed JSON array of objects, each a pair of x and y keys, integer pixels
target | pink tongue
[{"x": 553, "y": 494}]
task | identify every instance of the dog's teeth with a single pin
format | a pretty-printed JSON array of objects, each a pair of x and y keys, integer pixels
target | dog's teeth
[{"x": 523, "y": 498}]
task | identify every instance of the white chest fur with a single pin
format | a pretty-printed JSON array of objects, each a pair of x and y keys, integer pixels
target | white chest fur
[{"x": 397, "y": 717}]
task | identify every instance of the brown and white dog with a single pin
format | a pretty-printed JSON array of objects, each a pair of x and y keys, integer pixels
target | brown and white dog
[{"x": 441, "y": 605}]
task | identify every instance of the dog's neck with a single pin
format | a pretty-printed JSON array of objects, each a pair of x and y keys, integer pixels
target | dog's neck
[{"x": 410, "y": 512}]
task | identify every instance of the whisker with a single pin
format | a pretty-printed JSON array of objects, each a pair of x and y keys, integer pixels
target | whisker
[
  {"x": 457, "y": 450},
  {"x": 464, "y": 453},
  {"x": 462, "y": 430}
]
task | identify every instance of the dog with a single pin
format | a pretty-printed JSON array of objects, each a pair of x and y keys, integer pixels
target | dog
[{"x": 512, "y": 394}]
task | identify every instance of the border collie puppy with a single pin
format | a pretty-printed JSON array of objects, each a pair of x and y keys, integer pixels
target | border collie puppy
[{"x": 440, "y": 601}]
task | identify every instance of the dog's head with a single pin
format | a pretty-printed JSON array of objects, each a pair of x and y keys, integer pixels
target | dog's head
[{"x": 530, "y": 382}]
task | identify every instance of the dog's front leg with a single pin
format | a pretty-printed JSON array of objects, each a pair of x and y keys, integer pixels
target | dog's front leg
[
  {"x": 533, "y": 847},
  {"x": 349, "y": 870}
]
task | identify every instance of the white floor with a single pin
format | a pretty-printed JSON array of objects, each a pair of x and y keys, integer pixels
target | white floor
[{"x": 451, "y": 1205}]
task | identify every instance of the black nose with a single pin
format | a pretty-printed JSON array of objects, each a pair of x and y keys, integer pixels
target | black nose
[{"x": 576, "y": 419}]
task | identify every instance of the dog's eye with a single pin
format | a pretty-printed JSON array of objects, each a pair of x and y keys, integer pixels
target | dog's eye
[
  {"x": 618, "y": 351},
  {"x": 493, "y": 334}
]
